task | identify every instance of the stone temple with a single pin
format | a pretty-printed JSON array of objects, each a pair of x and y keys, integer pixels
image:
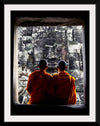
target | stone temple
[{"x": 52, "y": 43}]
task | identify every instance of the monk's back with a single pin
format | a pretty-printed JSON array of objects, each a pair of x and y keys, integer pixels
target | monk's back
[
  {"x": 40, "y": 82},
  {"x": 62, "y": 82}
]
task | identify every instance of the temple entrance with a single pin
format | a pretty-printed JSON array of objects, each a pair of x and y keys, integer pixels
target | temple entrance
[{"x": 52, "y": 43}]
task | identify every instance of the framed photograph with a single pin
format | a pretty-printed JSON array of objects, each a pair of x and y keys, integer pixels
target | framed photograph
[
  {"x": 52, "y": 38},
  {"x": 53, "y": 32}
]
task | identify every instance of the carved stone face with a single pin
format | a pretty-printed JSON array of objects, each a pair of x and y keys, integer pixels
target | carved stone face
[{"x": 51, "y": 43}]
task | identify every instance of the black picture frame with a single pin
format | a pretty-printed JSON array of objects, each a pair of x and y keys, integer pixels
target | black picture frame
[{"x": 97, "y": 49}]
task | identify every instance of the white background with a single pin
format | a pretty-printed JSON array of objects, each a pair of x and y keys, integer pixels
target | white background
[{"x": 7, "y": 48}]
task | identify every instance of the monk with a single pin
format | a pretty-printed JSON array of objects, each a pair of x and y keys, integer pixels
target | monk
[
  {"x": 64, "y": 85},
  {"x": 38, "y": 85}
]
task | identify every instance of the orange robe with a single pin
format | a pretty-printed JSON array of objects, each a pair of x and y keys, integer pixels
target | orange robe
[
  {"x": 64, "y": 85},
  {"x": 38, "y": 85}
]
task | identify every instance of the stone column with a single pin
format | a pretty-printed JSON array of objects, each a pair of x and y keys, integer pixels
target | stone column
[{"x": 15, "y": 67}]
